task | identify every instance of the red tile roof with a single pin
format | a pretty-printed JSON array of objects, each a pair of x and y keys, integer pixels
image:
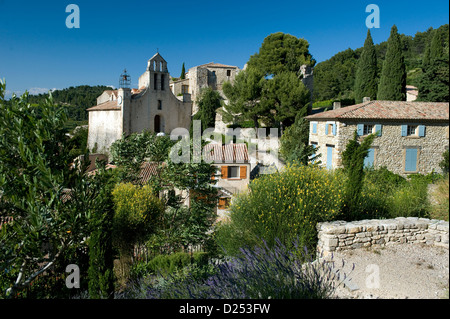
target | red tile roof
[
  {"x": 389, "y": 110},
  {"x": 228, "y": 153}
]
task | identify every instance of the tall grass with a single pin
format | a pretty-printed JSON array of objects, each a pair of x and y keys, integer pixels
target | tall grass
[{"x": 440, "y": 207}]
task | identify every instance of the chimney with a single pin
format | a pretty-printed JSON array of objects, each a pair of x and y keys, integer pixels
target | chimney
[
  {"x": 336, "y": 105},
  {"x": 366, "y": 99}
]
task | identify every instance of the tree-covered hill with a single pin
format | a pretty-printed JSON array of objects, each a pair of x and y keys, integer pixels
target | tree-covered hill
[
  {"x": 334, "y": 78},
  {"x": 75, "y": 99}
]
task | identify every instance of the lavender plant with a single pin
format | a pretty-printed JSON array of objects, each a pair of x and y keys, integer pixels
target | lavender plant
[{"x": 258, "y": 273}]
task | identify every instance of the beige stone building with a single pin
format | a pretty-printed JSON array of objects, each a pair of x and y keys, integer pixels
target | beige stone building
[
  {"x": 212, "y": 75},
  {"x": 411, "y": 136},
  {"x": 151, "y": 107},
  {"x": 233, "y": 171}
]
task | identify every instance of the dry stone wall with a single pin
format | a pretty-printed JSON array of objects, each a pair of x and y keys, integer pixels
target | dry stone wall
[{"x": 340, "y": 235}]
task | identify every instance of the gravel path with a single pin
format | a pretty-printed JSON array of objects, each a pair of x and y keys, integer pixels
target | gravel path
[{"x": 395, "y": 272}]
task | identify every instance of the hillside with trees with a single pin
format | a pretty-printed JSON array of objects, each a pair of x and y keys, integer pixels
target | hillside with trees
[
  {"x": 334, "y": 79},
  {"x": 75, "y": 100}
]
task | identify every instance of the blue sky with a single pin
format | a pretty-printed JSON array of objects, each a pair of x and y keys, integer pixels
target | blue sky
[{"x": 38, "y": 52}]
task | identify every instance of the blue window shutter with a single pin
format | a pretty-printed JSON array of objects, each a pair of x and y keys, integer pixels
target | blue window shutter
[
  {"x": 314, "y": 155},
  {"x": 421, "y": 130},
  {"x": 314, "y": 127},
  {"x": 329, "y": 157},
  {"x": 334, "y": 129},
  {"x": 404, "y": 130},
  {"x": 378, "y": 129},
  {"x": 411, "y": 160},
  {"x": 326, "y": 129},
  {"x": 369, "y": 160},
  {"x": 360, "y": 129}
]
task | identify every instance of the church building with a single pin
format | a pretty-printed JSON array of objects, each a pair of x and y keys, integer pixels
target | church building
[{"x": 152, "y": 107}]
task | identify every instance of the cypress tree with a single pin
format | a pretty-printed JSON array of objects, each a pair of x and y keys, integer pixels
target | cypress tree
[
  {"x": 101, "y": 254},
  {"x": 436, "y": 49},
  {"x": 392, "y": 85},
  {"x": 183, "y": 72},
  {"x": 434, "y": 81},
  {"x": 366, "y": 72}
]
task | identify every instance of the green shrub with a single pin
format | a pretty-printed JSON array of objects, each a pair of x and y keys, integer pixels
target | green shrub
[
  {"x": 389, "y": 195},
  {"x": 409, "y": 200},
  {"x": 168, "y": 264},
  {"x": 444, "y": 164},
  {"x": 136, "y": 210},
  {"x": 286, "y": 205}
]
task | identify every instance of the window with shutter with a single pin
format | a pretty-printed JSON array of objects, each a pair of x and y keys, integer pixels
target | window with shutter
[
  {"x": 360, "y": 129},
  {"x": 314, "y": 127},
  {"x": 224, "y": 172},
  {"x": 233, "y": 172},
  {"x": 368, "y": 129},
  {"x": 421, "y": 130},
  {"x": 330, "y": 156},
  {"x": 411, "y": 159},
  {"x": 330, "y": 128},
  {"x": 378, "y": 129},
  {"x": 243, "y": 172},
  {"x": 370, "y": 158}
]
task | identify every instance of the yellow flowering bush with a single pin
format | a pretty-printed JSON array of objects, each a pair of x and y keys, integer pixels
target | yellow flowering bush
[
  {"x": 286, "y": 205},
  {"x": 136, "y": 211}
]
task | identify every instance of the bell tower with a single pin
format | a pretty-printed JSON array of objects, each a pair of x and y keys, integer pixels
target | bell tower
[
  {"x": 158, "y": 73},
  {"x": 124, "y": 100}
]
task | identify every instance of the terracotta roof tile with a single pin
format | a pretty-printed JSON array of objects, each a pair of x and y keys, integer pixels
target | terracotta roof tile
[
  {"x": 228, "y": 153},
  {"x": 391, "y": 110}
]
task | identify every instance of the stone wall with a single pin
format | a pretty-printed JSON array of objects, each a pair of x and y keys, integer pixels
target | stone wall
[{"x": 340, "y": 235}]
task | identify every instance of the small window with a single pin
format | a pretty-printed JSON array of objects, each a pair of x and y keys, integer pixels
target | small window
[
  {"x": 228, "y": 72},
  {"x": 233, "y": 172},
  {"x": 159, "y": 105},
  {"x": 155, "y": 81},
  {"x": 162, "y": 82},
  {"x": 368, "y": 129},
  {"x": 330, "y": 129},
  {"x": 411, "y": 130}
]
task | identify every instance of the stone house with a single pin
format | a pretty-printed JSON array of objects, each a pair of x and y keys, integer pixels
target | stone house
[
  {"x": 233, "y": 170},
  {"x": 151, "y": 107},
  {"x": 411, "y": 136},
  {"x": 212, "y": 75}
]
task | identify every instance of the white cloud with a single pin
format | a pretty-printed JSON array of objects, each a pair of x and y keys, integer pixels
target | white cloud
[
  {"x": 9, "y": 93},
  {"x": 36, "y": 91}
]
